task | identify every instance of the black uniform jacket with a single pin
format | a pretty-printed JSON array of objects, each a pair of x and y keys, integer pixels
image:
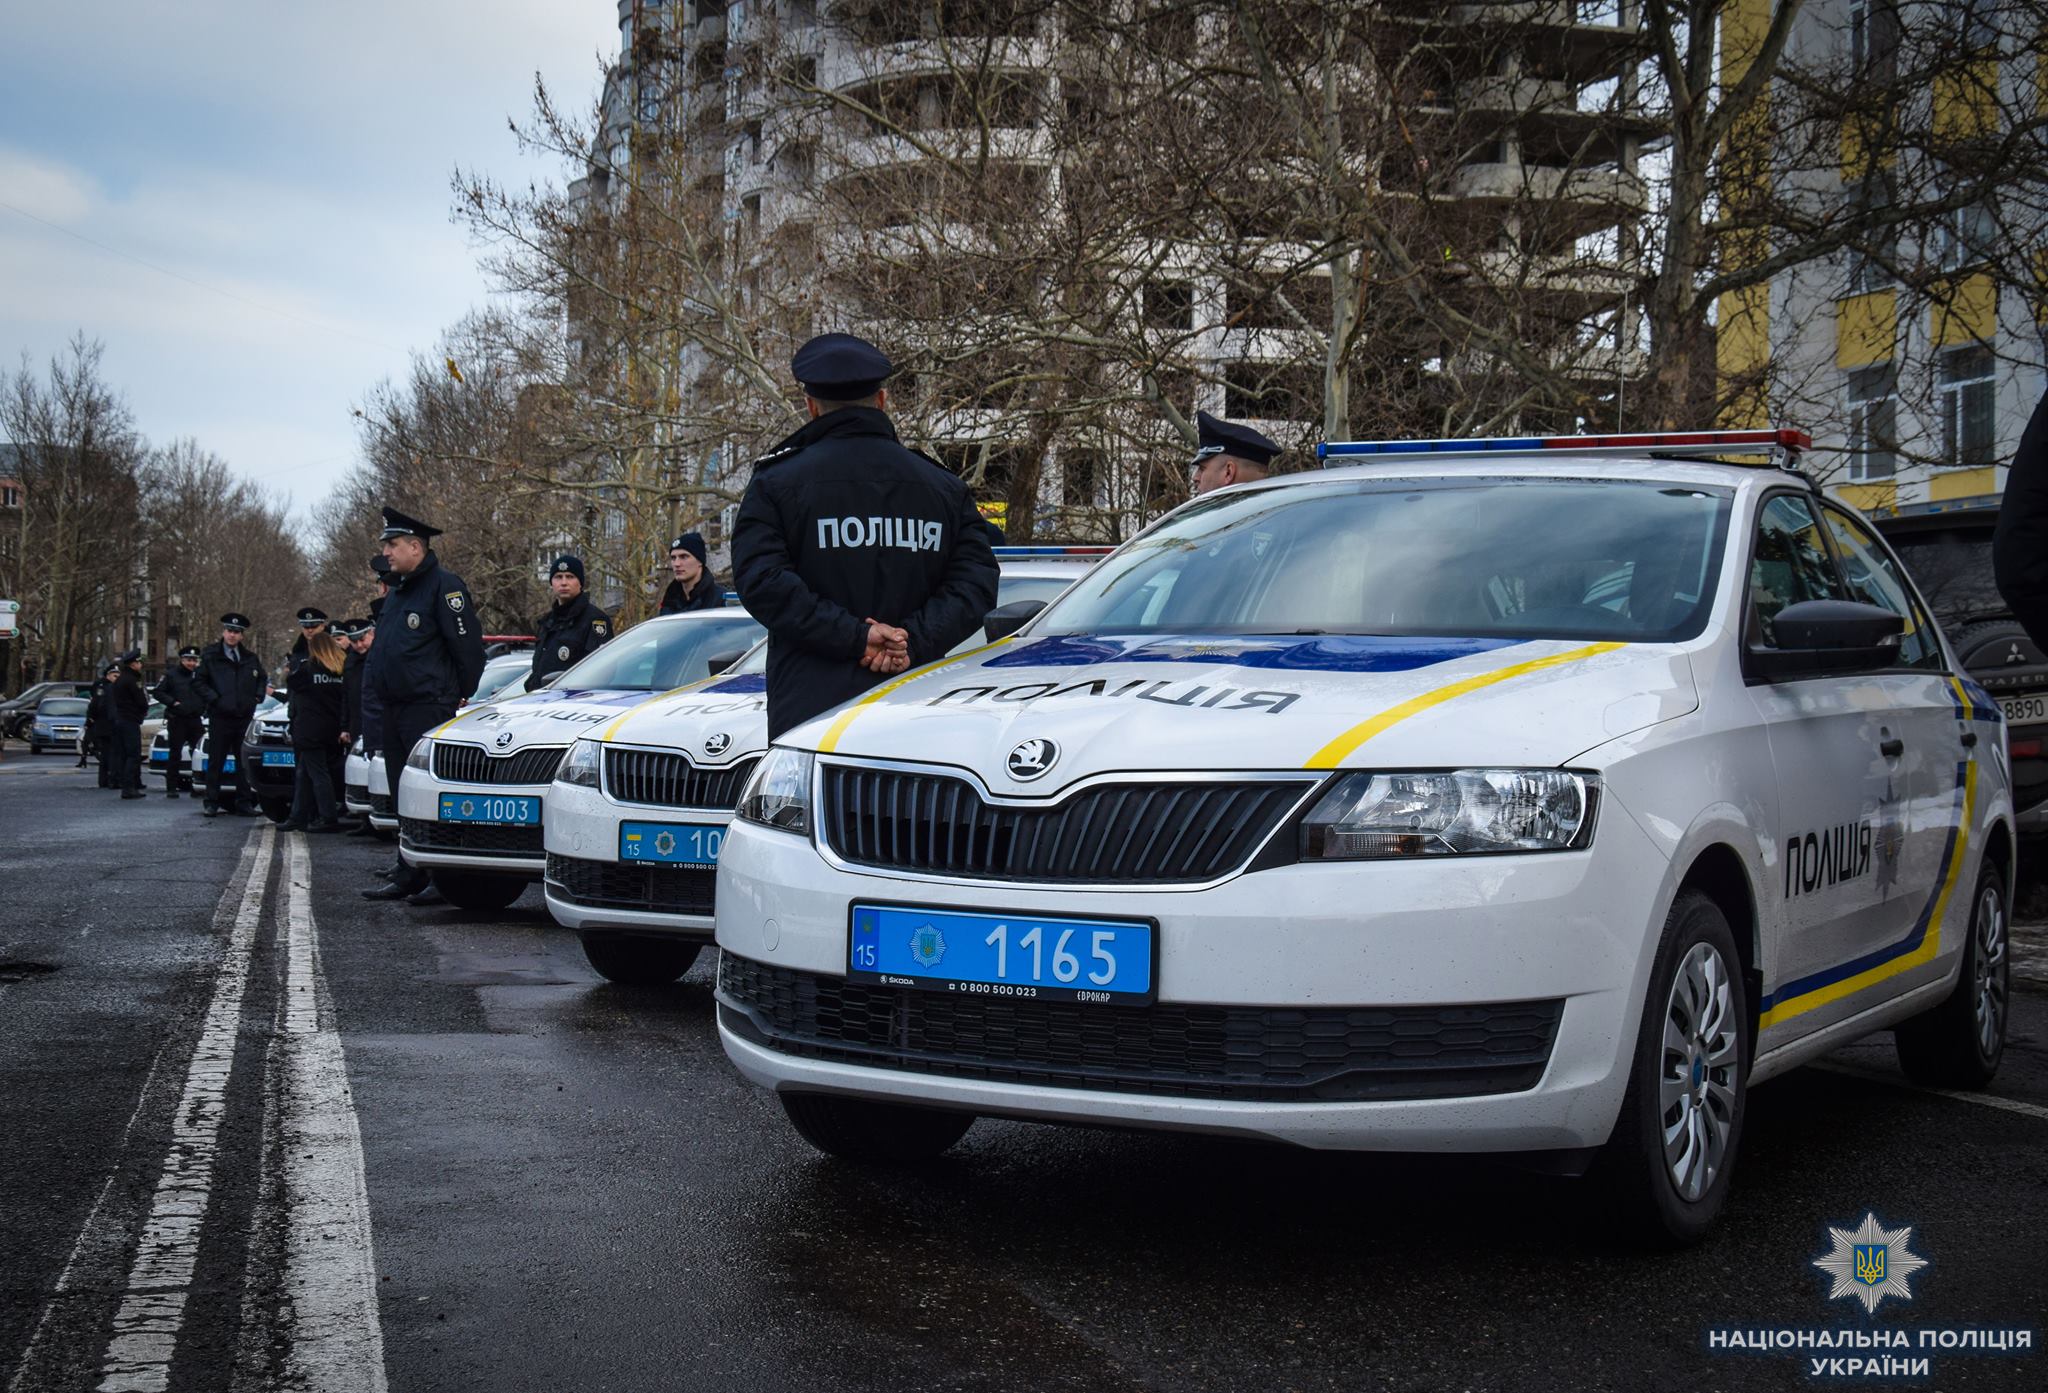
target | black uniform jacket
[
  {"x": 430, "y": 642},
  {"x": 352, "y": 693},
  {"x": 843, "y": 524},
  {"x": 565, "y": 635},
  {"x": 2019, "y": 549},
  {"x": 230, "y": 688},
  {"x": 709, "y": 594},
  {"x": 126, "y": 701},
  {"x": 179, "y": 692},
  {"x": 97, "y": 712},
  {"x": 319, "y": 704}
]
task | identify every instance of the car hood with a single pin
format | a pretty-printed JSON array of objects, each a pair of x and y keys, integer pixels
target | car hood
[
  {"x": 715, "y": 722},
  {"x": 552, "y": 717},
  {"x": 1181, "y": 702}
]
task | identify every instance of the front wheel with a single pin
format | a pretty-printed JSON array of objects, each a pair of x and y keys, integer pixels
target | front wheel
[
  {"x": 633, "y": 961},
  {"x": 1674, "y": 1145},
  {"x": 856, "y": 1129},
  {"x": 1959, "y": 1043},
  {"x": 478, "y": 890}
]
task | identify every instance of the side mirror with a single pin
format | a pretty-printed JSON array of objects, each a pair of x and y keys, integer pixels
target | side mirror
[
  {"x": 1004, "y": 620},
  {"x": 1817, "y": 637},
  {"x": 720, "y": 662}
]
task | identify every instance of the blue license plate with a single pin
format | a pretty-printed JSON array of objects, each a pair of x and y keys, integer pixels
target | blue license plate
[
  {"x": 513, "y": 811},
  {"x": 671, "y": 843},
  {"x": 1032, "y": 956},
  {"x": 285, "y": 757}
]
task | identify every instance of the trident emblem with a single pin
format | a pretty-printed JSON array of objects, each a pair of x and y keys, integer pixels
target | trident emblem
[{"x": 1870, "y": 1263}]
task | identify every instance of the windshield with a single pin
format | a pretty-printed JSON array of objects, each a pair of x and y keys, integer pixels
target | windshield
[
  {"x": 661, "y": 654},
  {"x": 61, "y": 706},
  {"x": 498, "y": 675},
  {"x": 1517, "y": 558},
  {"x": 1953, "y": 571}
]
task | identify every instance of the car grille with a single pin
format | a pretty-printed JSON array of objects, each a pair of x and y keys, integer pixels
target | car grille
[
  {"x": 616, "y": 885},
  {"x": 479, "y": 838},
  {"x": 472, "y": 764},
  {"x": 1281, "y": 1054},
  {"x": 665, "y": 780},
  {"x": 1150, "y": 833}
]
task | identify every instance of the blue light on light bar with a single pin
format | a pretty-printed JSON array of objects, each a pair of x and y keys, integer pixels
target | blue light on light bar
[
  {"x": 1751, "y": 441},
  {"x": 1019, "y": 553}
]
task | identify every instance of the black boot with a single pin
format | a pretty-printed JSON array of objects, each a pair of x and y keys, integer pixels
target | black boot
[
  {"x": 410, "y": 884},
  {"x": 133, "y": 793}
]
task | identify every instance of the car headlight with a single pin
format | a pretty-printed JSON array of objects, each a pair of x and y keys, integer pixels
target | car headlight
[
  {"x": 1378, "y": 816},
  {"x": 580, "y": 766},
  {"x": 422, "y": 755},
  {"x": 779, "y": 794}
]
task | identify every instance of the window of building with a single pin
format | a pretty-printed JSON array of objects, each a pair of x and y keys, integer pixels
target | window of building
[
  {"x": 1966, "y": 235},
  {"x": 750, "y": 209},
  {"x": 1873, "y": 254},
  {"x": 754, "y": 142},
  {"x": 1966, "y": 396},
  {"x": 1873, "y": 423},
  {"x": 1975, "y": 22},
  {"x": 1874, "y": 38},
  {"x": 1079, "y": 470},
  {"x": 1170, "y": 304},
  {"x": 10, "y": 496}
]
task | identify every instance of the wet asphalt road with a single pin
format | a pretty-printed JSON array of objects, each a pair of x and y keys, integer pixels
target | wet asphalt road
[{"x": 569, "y": 1188}]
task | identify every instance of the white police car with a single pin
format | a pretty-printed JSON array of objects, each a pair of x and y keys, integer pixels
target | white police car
[
  {"x": 365, "y": 778},
  {"x": 638, "y": 810},
  {"x": 471, "y": 798},
  {"x": 1496, "y": 797}
]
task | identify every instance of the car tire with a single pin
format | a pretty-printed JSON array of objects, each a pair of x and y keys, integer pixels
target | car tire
[
  {"x": 1672, "y": 1153},
  {"x": 635, "y": 961},
  {"x": 1959, "y": 1043},
  {"x": 478, "y": 890},
  {"x": 859, "y": 1129}
]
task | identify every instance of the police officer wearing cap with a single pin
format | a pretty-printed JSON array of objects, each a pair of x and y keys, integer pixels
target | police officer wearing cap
[
  {"x": 693, "y": 586},
  {"x": 231, "y": 681},
  {"x": 430, "y": 654},
  {"x": 860, "y": 556},
  {"x": 572, "y": 629},
  {"x": 1228, "y": 454},
  {"x": 184, "y": 716},
  {"x": 128, "y": 708}
]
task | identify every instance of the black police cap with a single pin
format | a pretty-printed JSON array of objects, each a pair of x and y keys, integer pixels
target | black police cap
[
  {"x": 397, "y": 524},
  {"x": 840, "y": 367},
  {"x": 381, "y": 564},
  {"x": 310, "y": 617},
  {"x": 567, "y": 566},
  {"x": 237, "y": 622},
  {"x": 188, "y": 651},
  {"x": 1220, "y": 437},
  {"x": 133, "y": 655}
]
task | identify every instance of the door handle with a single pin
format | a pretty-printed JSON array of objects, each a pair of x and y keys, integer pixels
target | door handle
[
  {"x": 1969, "y": 739},
  {"x": 1892, "y": 748}
]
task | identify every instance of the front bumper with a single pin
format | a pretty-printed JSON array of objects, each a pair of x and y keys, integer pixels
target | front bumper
[
  {"x": 1341, "y": 975},
  {"x": 39, "y": 739},
  {"x": 492, "y": 848},
  {"x": 356, "y": 783},
  {"x": 276, "y": 781},
  {"x": 589, "y": 887}
]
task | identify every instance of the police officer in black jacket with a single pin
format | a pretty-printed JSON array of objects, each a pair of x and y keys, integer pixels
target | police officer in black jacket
[
  {"x": 693, "y": 586},
  {"x": 93, "y": 739},
  {"x": 572, "y": 629},
  {"x": 2019, "y": 549},
  {"x": 232, "y": 683},
  {"x": 128, "y": 707},
  {"x": 860, "y": 556},
  {"x": 184, "y": 716},
  {"x": 430, "y": 653}
]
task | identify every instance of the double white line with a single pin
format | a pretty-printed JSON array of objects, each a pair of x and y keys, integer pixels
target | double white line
[{"x": 334, "y": 1337}]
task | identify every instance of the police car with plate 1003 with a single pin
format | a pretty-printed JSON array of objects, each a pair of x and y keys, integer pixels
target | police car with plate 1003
[{"x": 1483, "y": 796}]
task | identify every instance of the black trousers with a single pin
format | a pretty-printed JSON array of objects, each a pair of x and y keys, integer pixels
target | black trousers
[
  {"x": 403, "y": 726},
  {"x": 180, "y": 734},
  {"x": 223, "y": 742},
  {"x": 124, "y": 753},
  {"x": 312, "y": 784}
]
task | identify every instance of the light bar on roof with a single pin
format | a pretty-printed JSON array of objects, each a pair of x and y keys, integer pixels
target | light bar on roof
[
  {"x": 1020, "y": 553},
  {"x": 1700, "y": 441}
]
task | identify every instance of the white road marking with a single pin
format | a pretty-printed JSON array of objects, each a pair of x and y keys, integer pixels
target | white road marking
[
  {"x": 337, "y": 1341},
  {"x": 146, "y": 1327},
  {"x": 1982, "y": 1100}
]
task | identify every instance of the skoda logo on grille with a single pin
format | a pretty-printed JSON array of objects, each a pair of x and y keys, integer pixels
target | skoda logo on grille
[
  {"x": 718, "y": 744},
  {"x": 504, "y": 739},
  {"x": 1031, "y": 759}
]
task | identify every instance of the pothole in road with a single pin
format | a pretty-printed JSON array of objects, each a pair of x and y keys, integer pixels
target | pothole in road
[{"x": 22, "y": 972}]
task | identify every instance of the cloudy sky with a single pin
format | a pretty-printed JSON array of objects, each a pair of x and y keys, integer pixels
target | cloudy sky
[{"x": 288, "y": 164}]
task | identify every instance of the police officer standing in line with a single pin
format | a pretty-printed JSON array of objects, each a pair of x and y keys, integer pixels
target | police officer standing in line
[
  {"x": 184, "y": 713},
  {"x": 860, "y": 556},
  {"x": 365, "y": 716},
  {"x": 694, "y": 587},
  {"x": 1228, "y": 454},
  {"x": 92, "y": 738},
  {"x": 128, "y": 706},
  {"x": 232, "y": 683},
  {"x": 572, "y": 629},
  {"x": 430, "y": 658}
]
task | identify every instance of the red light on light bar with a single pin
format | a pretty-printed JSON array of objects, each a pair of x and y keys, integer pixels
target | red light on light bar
[{"x": 1719, "y": 439}]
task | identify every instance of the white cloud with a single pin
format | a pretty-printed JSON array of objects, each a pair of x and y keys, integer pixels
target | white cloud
[{"x": 44, "y": 189}]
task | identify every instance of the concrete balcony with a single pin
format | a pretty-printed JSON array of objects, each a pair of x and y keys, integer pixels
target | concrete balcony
[
  {"x": 843, "y": 155},
  {"x": 1566, "y": 276},
  {"x": 1597, "y": 190},
  {"x": 845, "y": 65}
]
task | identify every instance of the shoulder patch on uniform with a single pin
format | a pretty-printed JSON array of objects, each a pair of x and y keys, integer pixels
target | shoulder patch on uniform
[
  {"x": 454, "y": 598},
  {"x": 597, "y": 626}
]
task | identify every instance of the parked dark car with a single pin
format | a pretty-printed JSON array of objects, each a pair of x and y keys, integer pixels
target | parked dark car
[
  {"x": 1949, "y": 556},
  {"x": 272, "y": 764},
  {"x": 17, "y": 712}
]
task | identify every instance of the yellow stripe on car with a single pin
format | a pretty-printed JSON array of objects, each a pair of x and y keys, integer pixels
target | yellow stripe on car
[
  {"x": 838, "y": 727},
  {"x": 1338, "y": 750}
]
